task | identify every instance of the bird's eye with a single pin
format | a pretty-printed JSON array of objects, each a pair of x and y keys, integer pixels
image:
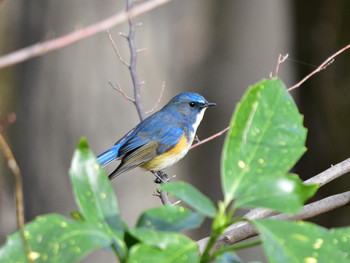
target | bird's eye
[{"x": 192, "y": 104}]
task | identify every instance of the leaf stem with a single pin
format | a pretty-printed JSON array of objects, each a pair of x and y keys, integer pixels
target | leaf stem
[{"x": 116, "y": 251}]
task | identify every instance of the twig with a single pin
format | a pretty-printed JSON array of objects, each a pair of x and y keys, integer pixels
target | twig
[
  {"x": 11, "y": 161},
  {"x": 162, "y": 178},
  {"x": 210, "y": 138},
  {"x": 316, "y": 208},
  {"x": 176, "y": 203},
  {"x": 133, "y": 56},
  {"x": 141, "y": 50},
  {"x": 325, "y": 64},
  {"x": 159, "y": 99},
  {"x": 57, "y": 43},
  {"x": 330, "y": 174},
  {"x": 116, "y": 49},
  {"x": 119, "y": 89},
  {"x": 321, "y": 179},
  {"x": 136, "y": 82},
  {"x": 281, "y": 59},
  {"x": 247, "y": 230},
  {"x": 236, "y": 231}
]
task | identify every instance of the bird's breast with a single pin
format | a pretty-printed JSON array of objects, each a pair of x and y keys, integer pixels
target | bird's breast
[
  {"x": 191, "y": 130},
  {"x": 170, "y": 157}
]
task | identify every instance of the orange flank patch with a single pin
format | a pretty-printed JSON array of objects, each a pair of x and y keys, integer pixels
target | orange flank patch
[{"x": 169, "y": 158}]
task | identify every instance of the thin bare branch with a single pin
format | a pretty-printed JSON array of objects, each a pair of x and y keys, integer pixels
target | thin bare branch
[
  {"x": 11, "y": 161},
  {"x": 210, "y": 138},
  {"x": 159, "y": 99},
  {"x": 161, "y": 176},
  {"x": 123, "y": 35},
  {"x": 176, "y": 203},
  {"x": 246, "y": 230},
  {"x": 236, "y": 232},
  {"x": 281, "y": 59},
  {"x": 116, "y": 50},
  {"x": 331, "y": 173},
  {"x": 78, "y": 35},
  {"x": 316, "y": 208},
  {"x": 133, "y": 56},
  {"x": 141, "y": 50},
  {"x": 119, "y": 89},
  {"x": 324, "y": 65},
  {"x": 321, "y": 179}
]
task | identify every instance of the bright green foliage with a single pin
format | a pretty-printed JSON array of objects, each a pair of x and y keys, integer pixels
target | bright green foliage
[
  {"x": 53, "y": 238},
  {"x": 285, "y": 193},
  {"x": 265, "y": 140},
  {"x": 162, "y": 247},
  {"x": 295, "y": 242},
  {"x": 94, "y": 194},
  {"x": 191, "y": 196},
  {"x": 169, "y": 218}
]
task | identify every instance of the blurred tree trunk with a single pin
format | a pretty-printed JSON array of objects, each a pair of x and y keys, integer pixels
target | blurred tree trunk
[{"x": 323, "y": 29}]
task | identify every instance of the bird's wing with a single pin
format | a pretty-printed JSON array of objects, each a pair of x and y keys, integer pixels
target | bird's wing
[
  {"x": 136, "y": 158},
  {"x": 144, "y": 146},
  {"x": 159, "y": 128}
]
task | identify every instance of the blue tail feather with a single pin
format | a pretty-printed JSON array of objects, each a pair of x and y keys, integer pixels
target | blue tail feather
[{"x": 108, "y": 156}]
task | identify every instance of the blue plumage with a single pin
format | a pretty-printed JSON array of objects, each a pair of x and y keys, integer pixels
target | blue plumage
[
  {"x": 108, "y": 156},
  {"x": 161, "y": 139}
]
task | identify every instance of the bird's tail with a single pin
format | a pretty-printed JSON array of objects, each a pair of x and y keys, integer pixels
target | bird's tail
[{"x": 108, "y": 156}]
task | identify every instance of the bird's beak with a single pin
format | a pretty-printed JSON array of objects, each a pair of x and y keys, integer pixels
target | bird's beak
[
  {"x": 206, "y": 104},
  {"x": 209, "y": 104}
]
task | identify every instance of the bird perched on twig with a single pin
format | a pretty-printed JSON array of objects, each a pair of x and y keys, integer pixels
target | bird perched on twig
[{"x": 160, "y": 140}]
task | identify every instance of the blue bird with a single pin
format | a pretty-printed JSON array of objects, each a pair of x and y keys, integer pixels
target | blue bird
[{"x": 160, "y": 140}]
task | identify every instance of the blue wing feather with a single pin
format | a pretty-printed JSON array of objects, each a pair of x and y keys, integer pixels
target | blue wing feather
[
  {"x": 108, "y": 156},
  {"x": 152, "y": 129}
]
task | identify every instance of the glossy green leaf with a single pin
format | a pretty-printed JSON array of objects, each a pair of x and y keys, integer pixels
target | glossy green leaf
[
  {"x": 303, "y": 242},
  {"x": 265, "y": 140},
  {"x": 191, "y": 196},
  {"x": 53, "y": 238},
  {"x": 282, "y": 193},
  {"x": 162, "y": 247},
  {"x": 94, "y": 194},
  {"x": 170, "y": 218}
]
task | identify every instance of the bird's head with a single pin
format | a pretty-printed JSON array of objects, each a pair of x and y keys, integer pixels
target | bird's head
[{"x": 191, "y": 106}]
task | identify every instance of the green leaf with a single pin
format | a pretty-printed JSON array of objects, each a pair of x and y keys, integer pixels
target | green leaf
[
  {"x": 169, "y": 218},
  {"x": 94, "y": 194},
  {"x": 191, "y": 196},
  {"x": 303, "y": 242},
  {"x": 53, "y": 238},
  {"x": 282, "y": 193},
  {"x": 265, "y": 140},
  {"x": 162, "y": 247}
]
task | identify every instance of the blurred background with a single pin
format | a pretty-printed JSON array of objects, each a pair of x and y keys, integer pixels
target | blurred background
[{"x": 216, "y": 48}]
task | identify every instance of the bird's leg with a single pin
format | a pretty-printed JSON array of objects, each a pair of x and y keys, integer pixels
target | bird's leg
[{"x": 161, "y": 177}]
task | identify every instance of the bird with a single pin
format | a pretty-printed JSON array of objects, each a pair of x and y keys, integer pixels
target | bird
[{"x": 161, "y": 139}]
